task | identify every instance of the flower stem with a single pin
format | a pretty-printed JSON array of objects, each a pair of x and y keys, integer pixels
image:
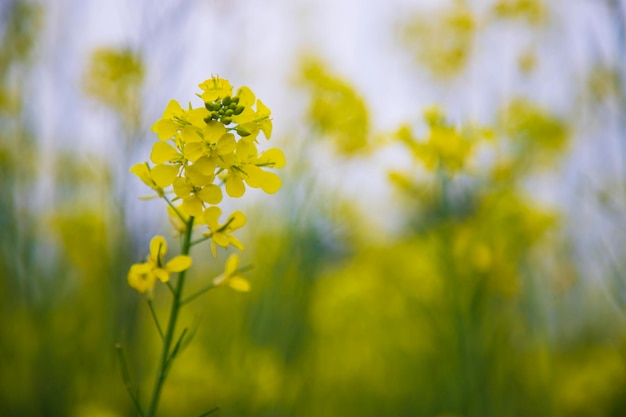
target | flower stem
[{"x": 171, "y": 327}]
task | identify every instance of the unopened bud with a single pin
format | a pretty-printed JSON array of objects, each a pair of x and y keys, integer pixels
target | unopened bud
[
  {"x": 238, "y": 110},
  {"x": 242, "y": 131},
  {"x": 226, "y": 100},
  {"x": 227, "y": 120}
]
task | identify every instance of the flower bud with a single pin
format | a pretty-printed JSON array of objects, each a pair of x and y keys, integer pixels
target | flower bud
[
  {"x": 226, "y": 100},
  {"x": 235, "y": 100},
  {"x": 238, "y": 110},
  {"x": 227, "y": 120},
  {"x": 229, "y": 112},
  {"x": 242, "y": 131}
]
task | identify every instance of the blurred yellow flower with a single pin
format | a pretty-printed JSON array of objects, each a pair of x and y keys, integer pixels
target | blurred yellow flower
[
  {"x": 143, "y": 276},
  {"x": 335, "y": 108},
  {"x": 231, "y": 276}
]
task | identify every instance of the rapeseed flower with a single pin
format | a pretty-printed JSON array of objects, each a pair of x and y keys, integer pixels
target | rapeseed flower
[
  {"x": 143, "y": 276},
  {"x": 221, "y": 233},
  {"x": 232, "y": 276}
]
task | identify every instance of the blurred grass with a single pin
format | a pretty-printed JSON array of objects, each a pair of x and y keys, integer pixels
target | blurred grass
[{"x": 477, "y": 308}]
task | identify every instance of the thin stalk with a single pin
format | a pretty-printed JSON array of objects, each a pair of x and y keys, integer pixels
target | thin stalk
[
  {"x": 171, "y": 326},
  {"x": 211, "y": 411},
  {"x": 156, "y": 319},
  {"x": 127, "y": 380}
]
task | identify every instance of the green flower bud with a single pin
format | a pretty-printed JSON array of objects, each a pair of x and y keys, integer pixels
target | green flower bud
[
  {"x": 212, "y": 106},
  {"x": 207, "y": 119},
  {"x": 215, "y": 115},
  {"x": 229, "y": 112},
  {"x": 238, "y": 110},
  {"x": 242, "y": 131},
  {"x": 232, "y": 106},
  {"x": 227, "y": 120},
  {"x": 226, "y": 100},
  {"x": 236, "y": 100}
]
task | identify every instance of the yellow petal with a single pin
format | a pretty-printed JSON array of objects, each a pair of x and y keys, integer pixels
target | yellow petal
[
  {"x": 142, "y": 171},
  {"x": 206, "y": 165},
  {"x": 196, "y": 116},
  {"x": 193, "y": 206},
  {"x": 196, "y": 177},
  {"x": 178, "y": 263},
  {"x": 163, "y": 175},
  {"x": 190, "y": 134},
  {"x": 140, "y": 278},
  {"x": 226, "y": 144},
  {"x": 234, "y": 186},
  {"x": 162, "y": 274},
  {"x": 233, "y": 241},
  {"x": 165, "y": 128},
  {"x": 246, "y": 150},
  {"x": 270, "y": 183},
  {"x": 262, "y": 109},
  {"x": 163, "y": 152},
  {"x": 211, "y": 194},
  {"x": 246, "y": 96},
  {"x": 232, "y": 263},
  {"x": 158, "y": 248},
  {"x": 193, "y": 151},
  {"x": 182, "y": 188},
  {"x": 221, "y": 239},
  {"x": 213, "y": 131},
  {"x": 236, "y": 220},
  {"x": 211, "y": 217},
  {"x": 255, "y": 176},
  {"x": 172, "y": 109},
  {"x": 272, "y": 157},
  {"x": 239, "y": 284},
  {"x": 266, "y": 127}
]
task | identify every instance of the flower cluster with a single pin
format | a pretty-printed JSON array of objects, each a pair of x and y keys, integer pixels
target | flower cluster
[{"x": 202, "y": 151}]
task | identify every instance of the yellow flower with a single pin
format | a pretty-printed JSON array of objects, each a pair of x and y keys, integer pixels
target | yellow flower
[
  {"x": 231, "y": 276},
  {"x": 156, "y": 178},
  {"x": 175, "y": 120},
  {"x": 221, "y": 234},
  {"x": 194, "y": 195},
  {"x": 251, "y": 120},
  {"x": 215, "y": 88},
  {"x": 245, "y": 165},
  {"x": 143, "y": 276}
]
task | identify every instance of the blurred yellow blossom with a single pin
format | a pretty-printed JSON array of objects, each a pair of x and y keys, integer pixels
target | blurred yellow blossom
[
  {"x": 115, "y": 77},
  {"x": 335, "y": 108},
  {"x": 142, "y": 277},
  {"x": 231, "y": 276},
  {"x": 534, "y": 11},
  {"x": 442, "y": 40}
]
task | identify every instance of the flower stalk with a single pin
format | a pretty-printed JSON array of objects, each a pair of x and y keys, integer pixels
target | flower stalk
[{"x": 166, "y": 357}]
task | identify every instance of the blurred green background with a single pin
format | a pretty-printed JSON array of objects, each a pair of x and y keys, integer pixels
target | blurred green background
[{"x": 449, "y": 240}]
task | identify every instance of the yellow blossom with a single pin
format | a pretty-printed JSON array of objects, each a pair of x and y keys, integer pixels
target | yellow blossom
[
  {"x": 231, "y": 276},
  {"x": 143, "y": 276},
  {"x": 221, "y": 233}
]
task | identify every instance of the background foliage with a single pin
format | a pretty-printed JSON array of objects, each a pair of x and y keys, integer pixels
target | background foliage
[{"x": 449, "y": 240}]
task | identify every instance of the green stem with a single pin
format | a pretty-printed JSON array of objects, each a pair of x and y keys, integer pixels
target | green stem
[
  {"x": 126, "y": 378},
  {"x": 171, "y": 326}
]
